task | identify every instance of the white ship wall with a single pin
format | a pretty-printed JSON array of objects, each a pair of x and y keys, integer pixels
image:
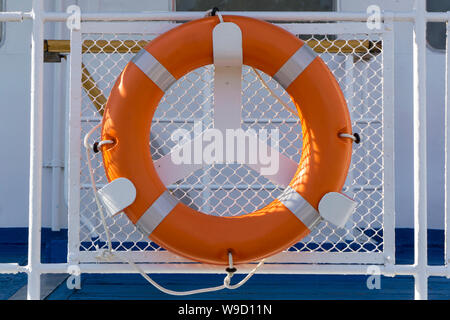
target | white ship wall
[{"x": 15, "y": 97}]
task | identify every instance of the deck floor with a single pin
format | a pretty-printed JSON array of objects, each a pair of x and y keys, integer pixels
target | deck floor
[{"x": 260, "y": 287}]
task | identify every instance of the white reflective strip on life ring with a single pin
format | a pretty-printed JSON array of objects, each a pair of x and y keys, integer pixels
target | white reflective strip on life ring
[
  {"x": 295, "y": 65},
  {"x": 299, "y": 207},
  {"x": 154, "y": 70},
  {"x": 156, "y": 213}
]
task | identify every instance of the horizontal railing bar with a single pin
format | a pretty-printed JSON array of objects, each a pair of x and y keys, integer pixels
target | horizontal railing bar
[
  {"x": 240, "y": 187},
  {"x": 247, "y": 120},
  {"x": 436, "y": 16},
  {"x": 15, "y": 16},
  {"x": 11, "y": 268},
  {"x": 299, "y": 257},
  {"x": 133, "y": 46},
  {"x": 224, "y": 187},
  {"x": 364, "y": 187},
  {"x": 192, "y": 15},
  {"x": 277, "y": 16},
  {"x": 256, "y": 187},
  {"x": 281, "y": 120},
  {"x": 268, "y": 268}
]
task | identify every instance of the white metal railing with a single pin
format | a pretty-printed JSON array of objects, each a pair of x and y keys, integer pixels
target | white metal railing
[
  {"x": 420, "y": 152},
  {"x": 191, "y": 15},
  {"x": 420, "y": 269}
]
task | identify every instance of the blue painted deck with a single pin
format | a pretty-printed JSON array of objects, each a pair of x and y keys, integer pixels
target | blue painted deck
[{"x": 13, "y": 248}]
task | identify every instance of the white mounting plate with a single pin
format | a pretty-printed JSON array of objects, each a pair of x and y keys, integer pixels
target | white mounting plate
[
  {"x": 227, "y": 52},
  {"x": 336, "y": 208},
  {"x": 117, "y": 195}
]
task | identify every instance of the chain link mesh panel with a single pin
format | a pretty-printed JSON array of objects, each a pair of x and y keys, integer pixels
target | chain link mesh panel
[{"x": 235, "y": 189}]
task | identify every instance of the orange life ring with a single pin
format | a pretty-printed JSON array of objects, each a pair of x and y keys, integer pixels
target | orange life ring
[{"x": 323, "y": 166}]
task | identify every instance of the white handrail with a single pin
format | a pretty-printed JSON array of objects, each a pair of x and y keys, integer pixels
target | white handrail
[
  {"x": 420, "y": 152},
  {"x": 36, "y": 145},
  {"x": 280, "y": 16},
  {"x": 447, "y": 149}
]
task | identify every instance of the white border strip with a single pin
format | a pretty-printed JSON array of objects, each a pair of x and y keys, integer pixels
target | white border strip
[
  {"x": 299, "y": 207},
  {"x": 153, "y": 69},
  {"x": 295, "y": 65},
  {"x": 156, "y": 213}
]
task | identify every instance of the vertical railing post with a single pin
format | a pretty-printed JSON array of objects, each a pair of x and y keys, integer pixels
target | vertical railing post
[
  {"x": 447, "y": 144},
  {"x": 36, "y": 132},
  {"x": 74, "y": 143},
  {"x": 349, "y": 93},
  {"x": 388, "y": 140},
  {"x": 420, "y": 152},
  {"x": 57, "y": 127}
]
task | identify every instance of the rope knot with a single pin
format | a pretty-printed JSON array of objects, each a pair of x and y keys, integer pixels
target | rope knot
[{"x": 227, "y": 280}]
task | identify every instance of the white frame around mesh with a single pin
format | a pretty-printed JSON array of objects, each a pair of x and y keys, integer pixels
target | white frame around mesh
[{"x": 343, "y": 30}]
